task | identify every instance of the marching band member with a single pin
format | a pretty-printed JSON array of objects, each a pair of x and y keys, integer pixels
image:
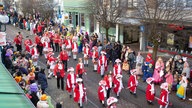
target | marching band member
[
  {"x": 56, "y": 41},
  {"x": 95, "y": 57},
  {"x": 79, "y": 92},
  {"x": 118, "y": 84},
  {"x": 35, "y": 54},
  {"x": 68, "y": 44},
  {"x": 102, "y": 63},
  {"x": 86, "y": 52},
  {"x": 71, "y": 81},
  {"x": 132, "y": 82},
  {"x": 109, "y": 83},
  {"x": 163, "y": 101},
  {"x": 64, "y": 58},
  {"x": 75, "y": 49},
  {"x": 111, "y": 102},
  {"x": 51, "y": 63},
  {"x": 117, "y": 68},
  {"x": 45, "y": 41},
  {"x": 59, "y": 73},
  {"x": 39, "y": 44},
  {"x": 150, "y": 90},
  {"x": 102, "y": 92},
  {"x": 28, "y": 43},
  {"x": 80, "y": 68}
]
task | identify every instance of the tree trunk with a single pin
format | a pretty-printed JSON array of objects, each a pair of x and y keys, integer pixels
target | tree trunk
[
  {"x": 106, "y": 33},
  {"x": 155, "y": 49}
]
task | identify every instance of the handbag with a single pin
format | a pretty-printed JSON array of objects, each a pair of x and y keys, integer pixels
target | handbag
[
  {"x": 58, "y": 74},
  {"x": 125, "y": 66}
]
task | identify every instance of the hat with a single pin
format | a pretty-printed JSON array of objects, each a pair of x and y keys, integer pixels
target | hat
[
  {"x": 133, "y": 71},
  {"x": 102, "y": 82},
  {"x": 70, "y": 69},
  {"x": 184, "y": 59},
  {"x": 79, "y": 80},
  {"x": 18, "y": 79},
  {"x": 103, "y": 52},
  {"x": 149, "y": 54},
  {"x": 111, "y": 100},
  {"x": 119, "y": 76},
  {"x": 149, "y": 80},
  {"x": 117, "y": 60},
  {"x": 95, "y": 48},
  {"x": 44, "y": 97},
  {"x": 164, "y": 86}
]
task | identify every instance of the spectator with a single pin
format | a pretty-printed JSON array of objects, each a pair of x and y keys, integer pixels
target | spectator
[{"x": 42, "y": 81}]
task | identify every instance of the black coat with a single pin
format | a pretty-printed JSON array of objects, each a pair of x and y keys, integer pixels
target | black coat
[
  {"x": 8, "y": 63},
  {"x": 42, "y": 80}
]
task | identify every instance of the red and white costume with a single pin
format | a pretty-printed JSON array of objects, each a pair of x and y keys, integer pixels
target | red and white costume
[
  {"x": 102, "y": 63},
  {"x": 46, "y": 44},
  {"x": 79, "y": 92},
  {"x": 109, "y": 83},
  {"x": 75, "y": 49},
  {"x": 86, "y": 52},
  {"x": 163, "y": 100},
  {"x": 28, "y": 43},
  {"x": 95, "y": 56},
  {"x": 59, "y": 67},
  {"x": 51, "y": 61},
  {"x": 35, "y": 55},
  {"x": 117, "y": 69},
  {"x": 132, "y": 82},
  {"x": 118, "y": 84},
  {"x": 150, "y": 90},
  {"x": 68, "y": 44},
  {"x": 71, "y": 80},
  {"x": 102, "y": 91},
  {"x": 80, "y": 70},
  {"x": 111, "y": 102}
]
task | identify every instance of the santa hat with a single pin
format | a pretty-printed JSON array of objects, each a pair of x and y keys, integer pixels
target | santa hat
[
  {"x": 119, "y": 76},
  {"x": 103, "y": 52},
  {"x": 149, "y": 80},
  {"x": 102, "y": 82},
  {"x": 95, "y": 48},
  {"x": 133, "y": 71},
  {"x": 117, "y": 60},
  {"x": 184, "y": 59},
  {"x": 79, "y": 80},
  {"x": 111, "y": 100},
  {"x": 164, "y": 86},
  {"x": 149, "y": 54},
  {"x": 70, "y": 69},
  {"x": 87, "y": 45}
]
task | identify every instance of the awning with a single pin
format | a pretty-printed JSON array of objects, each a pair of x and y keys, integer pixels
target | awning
[{"x": 131, "y": 21}]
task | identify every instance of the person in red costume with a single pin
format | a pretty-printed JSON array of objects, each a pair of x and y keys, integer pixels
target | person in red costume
[
  {"x": 95, "y": 56},
  {"x": 102, "y": 92},
  {"x": 118, "y": 84},
  {"x": 117, "y": 68},
  {"x": 109, "y": 83},
  {"x": 86, "y": 52},
  {"x": 18, "y": 43},
  {"x": 28, "y": 43},
  {"x": 163, "y": 101},
  {"x": 64, "y": 58},
  {"x": 51, "y": 62},
  {"x": 111, "y": 102},
  {"x": 132, "y": 82},
  {"x": 71, "y": 81},
  {"x": 150, "y": 90},
  {"x": 68, "y": 44},
  {"x": 80, "y": 68},
  {"x": 79, "y": 92},
  {"x": 39, "y": 44},
  {"x": 102, "y": 64},
  {"x": 75, "y": 49},
  {"x": 35, "y": 54},
  {"x": 59, "y": 74}
]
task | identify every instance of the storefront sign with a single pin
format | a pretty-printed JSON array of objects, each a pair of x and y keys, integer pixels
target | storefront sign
[
  {"x": 2, "y": 38},
  {"x": 190, "y": 42},
  {"x": 170, "y": 38}
]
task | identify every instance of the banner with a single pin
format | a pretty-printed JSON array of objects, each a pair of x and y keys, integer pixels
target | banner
[
  {"x": 190, "y": 42},
  {"x": 2, "y": 38},
  {"x": 170, "y": 38}
]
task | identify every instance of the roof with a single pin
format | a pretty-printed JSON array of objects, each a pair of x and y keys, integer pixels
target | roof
[{"x": 11, "y": 95}]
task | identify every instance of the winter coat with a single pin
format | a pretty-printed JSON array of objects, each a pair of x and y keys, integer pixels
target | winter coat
[{"x": 42, "y": 80}]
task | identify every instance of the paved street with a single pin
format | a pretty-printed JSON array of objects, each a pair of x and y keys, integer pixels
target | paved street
[{"x": 91, "y": 83}]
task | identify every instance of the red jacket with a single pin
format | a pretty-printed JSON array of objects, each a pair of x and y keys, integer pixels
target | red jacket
[
  {"x": 117, "y": 70},
  {"x": 71, "y": 81},
  {"x": 64, "y": 55},
  {"x": 17, "y": 41},
  {"x": 56, "y": 69},
  {"x": 57, "y": 38},
  {"x": 101, "y": 93},
  {"x": 117, "y": 85},
  {"x": 109, "y": 82},
  {"x": 34, "y": 51},
  {"x": 68, "y": 43},
  {"x": 132, "y": 83},
  {"x": 149, "y": 94},
  {"x": 86, "y": 51},
  {"x": 163, "y": 100},
  {"x": 46, "y": 44},
  {"x": 74, "y": 47},
  {"x": 102, "y": 61},
  {"x": 37, "y": 40},
  {"x": 78, "y": 94},
  {"x": 95, "y": 55},
  {"x": 80, "y": 68}
]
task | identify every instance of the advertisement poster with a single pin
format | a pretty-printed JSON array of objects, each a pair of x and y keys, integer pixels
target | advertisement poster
[
  {"x": 2, "y": 38},
  {"x": 170, "y": 38},
  {"x": 190, "y": 42}
]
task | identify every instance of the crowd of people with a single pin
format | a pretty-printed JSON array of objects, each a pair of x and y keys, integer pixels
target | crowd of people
[{"x": 174, "y": 75}]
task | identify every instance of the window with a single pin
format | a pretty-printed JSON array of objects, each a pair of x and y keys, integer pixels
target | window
[{"x": 132, "y": 3}]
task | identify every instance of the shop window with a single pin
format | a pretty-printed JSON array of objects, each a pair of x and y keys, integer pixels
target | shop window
[
  {"x": 70, "y": 18},
  {"x": 82, "y": 20}
]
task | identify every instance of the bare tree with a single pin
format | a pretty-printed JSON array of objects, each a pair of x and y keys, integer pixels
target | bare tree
[
  {"x": 44, "y": 7},
  {"x": 161, "y": 12},
  {"x": 106, "y": 12}
]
